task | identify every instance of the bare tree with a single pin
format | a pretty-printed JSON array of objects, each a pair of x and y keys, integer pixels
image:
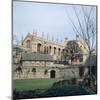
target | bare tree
[{"x": 85, "y": 27}]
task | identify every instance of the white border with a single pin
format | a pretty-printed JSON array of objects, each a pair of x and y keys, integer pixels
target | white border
[{"x": 5, "y": 48}]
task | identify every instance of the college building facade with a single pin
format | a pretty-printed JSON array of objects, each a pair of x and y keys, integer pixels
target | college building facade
[{"x": 39, "y": 57}]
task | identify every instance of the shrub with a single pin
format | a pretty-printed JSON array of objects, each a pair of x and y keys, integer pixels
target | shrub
[
  {"x": 89, "y": 80},
  {"x": 73, "y": 81}
]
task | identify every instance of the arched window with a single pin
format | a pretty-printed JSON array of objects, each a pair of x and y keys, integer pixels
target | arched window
[
  {"x": 62, "y": 51},
  {"x": 45, "y": 50},
  {"x": 54, "y": 50},
  {"x": 49, "y": 49},
  {"x": 58, "y": 51},
  {"x": 18, "y": 69},
  {"x": 28, "y": 44},
  {"x": 46, "y": 71},
  {"x": 34, "y": 70},
  {"x": 38, "y": 47}
]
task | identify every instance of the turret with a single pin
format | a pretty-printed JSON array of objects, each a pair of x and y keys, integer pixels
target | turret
[
  {"x": 42, "y": 34},
  {"x": 65, "y": 41},
  {"x": 22, "y": 40},
  {"x": 52, "y": 38},
  {"x": 77, "y": 37}
]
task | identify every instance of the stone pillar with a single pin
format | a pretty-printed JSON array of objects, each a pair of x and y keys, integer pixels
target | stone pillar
[
  {"x": 57, "y": 51},
  {"x": 47, "y": 51},
  {"x": 52, "y": 50},
  {"x": 42, "y": 48}
]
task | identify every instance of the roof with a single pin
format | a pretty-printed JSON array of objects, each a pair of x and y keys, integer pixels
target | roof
[
  {"x": 36, "y": 57},
  {"x": 28, "y": 35}
]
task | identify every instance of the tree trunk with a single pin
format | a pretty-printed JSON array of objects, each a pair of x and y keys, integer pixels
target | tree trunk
[{"x": 90, "y": 63}]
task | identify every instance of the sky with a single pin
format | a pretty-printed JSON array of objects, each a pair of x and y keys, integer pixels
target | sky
[{"x": 44, "y": 18}]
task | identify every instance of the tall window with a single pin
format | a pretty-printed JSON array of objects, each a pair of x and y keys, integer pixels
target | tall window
[
  {"x": 49, "y": 49},
  {"x": 45, "y": 50},
  {"x": 28, "y": 44},
  {"x": 39, "y": 47},
  {"x": 34, "y": 71},
  {"x": 59, "y": 51},
  {"x": 54, "y": 50},
  {"x": 62, "y": 51}
]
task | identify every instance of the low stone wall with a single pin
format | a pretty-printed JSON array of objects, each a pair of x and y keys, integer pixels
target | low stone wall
[
  {"x": 45, "y": 72},
  {"x": 70, "y": 72},
  {"x": 41, "y": 72}
]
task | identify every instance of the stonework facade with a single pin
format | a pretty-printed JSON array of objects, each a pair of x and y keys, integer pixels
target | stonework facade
[
  {"x": 38, "y": 57},
  {"x": 33, "y": 43}
]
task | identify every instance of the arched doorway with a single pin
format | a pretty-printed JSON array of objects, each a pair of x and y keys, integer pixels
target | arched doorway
[{"x": 52, "y": 74}]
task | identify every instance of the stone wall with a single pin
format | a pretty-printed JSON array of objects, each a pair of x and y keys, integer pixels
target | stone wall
[
  {"x": 70, "y": 72},
  {"x": 39, "y": 44},
  {"x": 41, "y": 72},
  {"x": 45, "y": 72}
]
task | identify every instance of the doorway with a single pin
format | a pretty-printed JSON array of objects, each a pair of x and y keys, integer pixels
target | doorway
[{"x": 52, "y": 74}]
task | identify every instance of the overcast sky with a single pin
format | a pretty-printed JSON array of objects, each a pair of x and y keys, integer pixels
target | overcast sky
[{"x": 51, "y": 19}]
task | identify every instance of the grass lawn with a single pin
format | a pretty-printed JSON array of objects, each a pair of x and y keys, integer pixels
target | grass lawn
[
  {"x": 31, "y": 84},
  {"x": 36, "y": 88}
]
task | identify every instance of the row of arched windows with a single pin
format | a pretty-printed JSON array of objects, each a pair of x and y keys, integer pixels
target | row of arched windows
[
  {"x": 52, "y": 72},
  {"x": 48, "y": 49},
  {"x": 45, "y": 49}
]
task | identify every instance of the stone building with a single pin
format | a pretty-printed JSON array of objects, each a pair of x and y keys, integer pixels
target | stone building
[
  {"x": 34, "y": 43},
  {"x": 39, "y": 57}
]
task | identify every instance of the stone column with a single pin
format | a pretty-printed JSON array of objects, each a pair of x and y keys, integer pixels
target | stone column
[
  {"x": 52, "y": 50},
  {"x": 56, "y": 51},
  {"x": 42, "y": 48}
]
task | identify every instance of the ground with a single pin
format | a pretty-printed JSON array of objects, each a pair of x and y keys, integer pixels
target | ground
[
  {"x": 31, "y": 84},
  {"x": 40, "y": 88}
]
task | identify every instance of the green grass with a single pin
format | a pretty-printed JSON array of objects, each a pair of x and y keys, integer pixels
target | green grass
[{"x": 31, "y": 84}]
